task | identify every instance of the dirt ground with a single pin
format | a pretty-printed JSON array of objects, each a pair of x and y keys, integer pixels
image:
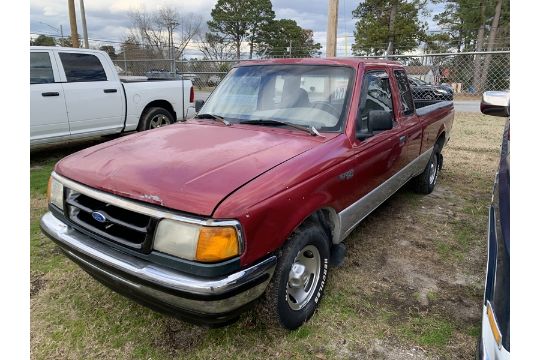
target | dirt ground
[{"x": 410, "y": 287}]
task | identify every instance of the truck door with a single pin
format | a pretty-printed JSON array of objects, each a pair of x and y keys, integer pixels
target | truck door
[
  {"x": 48, "y": 116},
  {"x": 94, "y": 96},
  {"x": 406, "y": 117},
  {"x": 378, "y": 157}
]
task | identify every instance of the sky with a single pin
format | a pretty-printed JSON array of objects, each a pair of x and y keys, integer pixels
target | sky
[{"x": 108, "y": 19}]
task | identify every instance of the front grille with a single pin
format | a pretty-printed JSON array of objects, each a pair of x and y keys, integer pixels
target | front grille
[{"x": 119, "y": 225}]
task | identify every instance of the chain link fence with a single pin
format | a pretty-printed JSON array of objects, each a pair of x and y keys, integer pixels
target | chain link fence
[
  {"x": 461, "y": 77},
  {"x": 464, "y": 76}
]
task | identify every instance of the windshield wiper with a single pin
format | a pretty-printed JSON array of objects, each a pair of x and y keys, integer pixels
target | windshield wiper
[
  {"x": 213, "y": 117},
  {"x": 310, "y": 129}
]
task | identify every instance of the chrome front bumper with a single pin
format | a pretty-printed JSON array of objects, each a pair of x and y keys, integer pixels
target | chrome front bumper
[{"x": 206, "y": 300}]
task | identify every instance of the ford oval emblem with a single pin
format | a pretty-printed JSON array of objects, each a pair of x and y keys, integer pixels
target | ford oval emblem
[{"x": 99, "y": 216}]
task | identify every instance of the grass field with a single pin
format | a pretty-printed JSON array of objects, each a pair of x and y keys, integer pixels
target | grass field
[{"x": 410, "y": 287}]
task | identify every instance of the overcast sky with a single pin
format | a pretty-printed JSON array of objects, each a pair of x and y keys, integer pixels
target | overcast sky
[{"x": 108, "y": 19}]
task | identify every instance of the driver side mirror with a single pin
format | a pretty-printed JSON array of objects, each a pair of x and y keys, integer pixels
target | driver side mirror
[
  {"x": 495, "y": 103},
  {"x": 198, "y": 105},
  {"x": 378, "y": 120}
]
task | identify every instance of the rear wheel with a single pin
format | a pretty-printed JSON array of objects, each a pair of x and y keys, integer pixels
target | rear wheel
[
  {"x": 154, "y": 118},
  {"x": 299, "y": 279},
  {"x": 426, "y": 181}
]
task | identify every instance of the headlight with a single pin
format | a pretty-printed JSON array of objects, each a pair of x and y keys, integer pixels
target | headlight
[
  {"x": 55, "y": 193},
  {"x": 441, "y": 91},
  {"x": 196, "y": 242}
]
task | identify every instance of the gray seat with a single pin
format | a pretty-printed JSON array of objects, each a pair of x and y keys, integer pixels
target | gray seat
[{"x": 298, "y": 98}]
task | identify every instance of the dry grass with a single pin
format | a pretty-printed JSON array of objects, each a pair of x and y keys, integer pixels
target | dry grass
[{"x": 410, "y": 287}]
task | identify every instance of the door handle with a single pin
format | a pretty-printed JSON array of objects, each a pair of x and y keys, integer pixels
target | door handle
[
  {"x": 107, "y": 91},
  {"x": 51, "y": 93},
  {"x": 402, "y": 139}
]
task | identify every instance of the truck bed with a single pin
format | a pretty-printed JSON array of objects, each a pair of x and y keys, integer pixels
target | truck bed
[{"x": 424, "y": 110}]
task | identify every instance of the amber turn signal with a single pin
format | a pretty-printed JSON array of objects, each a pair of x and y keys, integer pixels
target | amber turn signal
[
  {"x": 493, "y": 324},
  {"x": 217, "y": 244}
]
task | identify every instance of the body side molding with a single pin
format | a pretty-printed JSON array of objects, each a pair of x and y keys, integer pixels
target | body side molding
[{"x": 351, "y": 216}]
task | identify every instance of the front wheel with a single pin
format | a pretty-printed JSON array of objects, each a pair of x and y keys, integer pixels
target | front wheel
[
  {"x": 154, "y": 118},
  {"x": 299, "y": 279}
]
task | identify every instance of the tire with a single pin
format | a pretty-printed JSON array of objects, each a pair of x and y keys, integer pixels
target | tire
[
  {"x": 286, "y": 301},
  {"x": 155, "y": 117},
  {"x": 426, "y": 181}
]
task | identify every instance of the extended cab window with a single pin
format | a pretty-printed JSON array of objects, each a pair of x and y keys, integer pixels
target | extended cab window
[
  {"x": 407, "y": 102},
  {"x": 41, "y": 71},
  {"x": 376, "y": 95},
  {"x": 82, "y": 67}
]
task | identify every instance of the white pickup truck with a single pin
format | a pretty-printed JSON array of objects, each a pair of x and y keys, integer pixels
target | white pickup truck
[{"x": 77, "y": 93}]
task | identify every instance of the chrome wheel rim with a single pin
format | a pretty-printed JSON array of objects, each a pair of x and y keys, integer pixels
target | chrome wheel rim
[
  {"x": 159, "y": 120},
  {"x": 303, "y": 277},
  {"x": 432, "y": 171}
]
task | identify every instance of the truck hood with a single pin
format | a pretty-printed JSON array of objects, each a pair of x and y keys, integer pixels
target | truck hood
[{"x": 189, "y": 167}]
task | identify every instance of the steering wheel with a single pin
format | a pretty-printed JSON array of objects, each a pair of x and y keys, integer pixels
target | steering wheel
[{"x": 324, "y": 106}]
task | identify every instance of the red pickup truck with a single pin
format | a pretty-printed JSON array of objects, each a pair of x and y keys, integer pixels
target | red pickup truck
[{"x": 252, "y": 198}]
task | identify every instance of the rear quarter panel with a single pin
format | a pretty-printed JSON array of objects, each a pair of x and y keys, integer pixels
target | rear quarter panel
[
  {"x": 140, "y": 94},
  {"x": 434, "y": 124}
]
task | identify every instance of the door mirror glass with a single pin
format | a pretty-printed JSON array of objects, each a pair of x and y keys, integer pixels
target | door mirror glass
[
  {"x": 198, "y": 105},
  {"x": 496, "y": 103}
]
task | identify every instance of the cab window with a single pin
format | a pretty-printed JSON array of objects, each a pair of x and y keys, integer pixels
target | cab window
[
  {"x": 406, "y": 98},
  {"x": 82, "y": 67},
  {"x": 376, "y": 95},
  {"x": 41, "y": 71}
]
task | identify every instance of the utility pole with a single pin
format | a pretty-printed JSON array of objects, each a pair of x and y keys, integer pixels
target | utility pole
[
  {"x": 290, "y": 48},
  {"x": 331, "y": 29},
  {"x": 73, "y": 24},
  {"x": 393, "y": 11},
  {"x": 83, "y": 17},
  {"x": 55, "y": 29}
]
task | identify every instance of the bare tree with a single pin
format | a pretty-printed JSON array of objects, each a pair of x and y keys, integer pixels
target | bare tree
[
  {"x": 145, "y": 31},
  {"x": 164, "y": 31},
  {"x": 190, "y": 26},
  {"x": 214, "y": 47}
]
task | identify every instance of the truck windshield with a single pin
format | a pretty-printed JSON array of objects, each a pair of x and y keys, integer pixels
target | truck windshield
[{"x": 306, "y": 95}]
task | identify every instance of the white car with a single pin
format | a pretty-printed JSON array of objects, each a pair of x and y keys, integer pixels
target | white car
[{"x": 77, "y": 93}]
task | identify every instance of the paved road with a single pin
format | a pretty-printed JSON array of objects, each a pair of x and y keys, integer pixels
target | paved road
[
  {"x": 459, "y": 105},
  {"x": 201, "y": 95},
  {"x": 467, "y": 106}
]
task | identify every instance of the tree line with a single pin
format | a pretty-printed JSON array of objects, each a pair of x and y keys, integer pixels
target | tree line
[
  {"x": 233, "y": 25},
  {"x": 382, "y": 27},
  {"x": 397, "y": 26}
]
